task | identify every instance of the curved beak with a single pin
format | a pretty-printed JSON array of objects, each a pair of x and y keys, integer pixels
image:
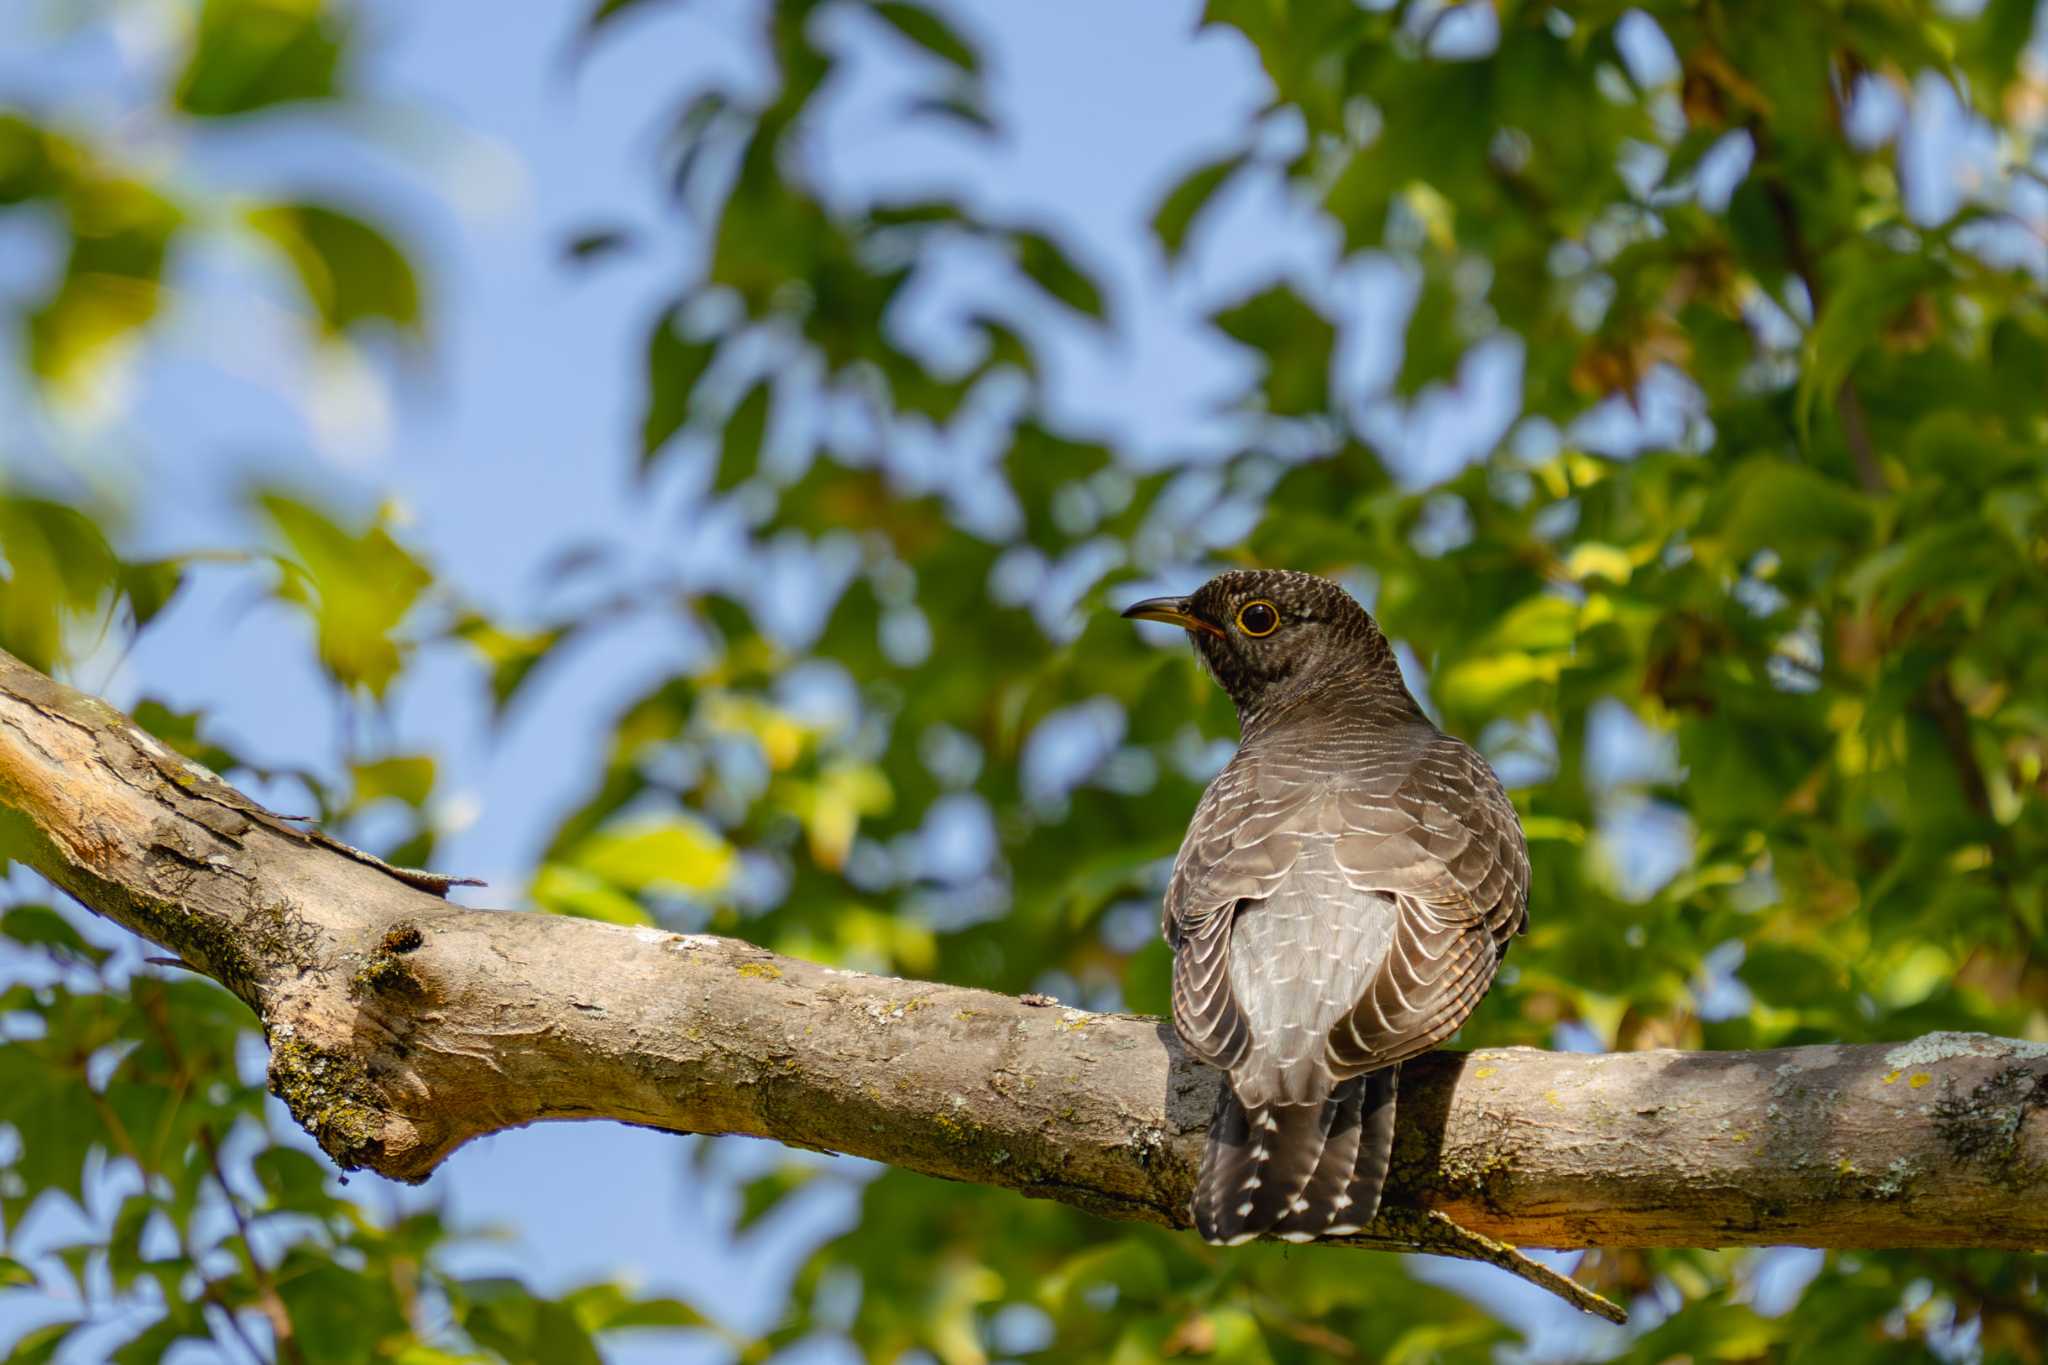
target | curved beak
[{"x": 1172, "y": 610}]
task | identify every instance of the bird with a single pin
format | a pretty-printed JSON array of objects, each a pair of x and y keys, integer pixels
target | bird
[{"x": 1345, "y": 894}]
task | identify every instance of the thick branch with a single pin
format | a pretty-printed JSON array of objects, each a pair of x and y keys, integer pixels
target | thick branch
[{"x": 401, "y": 1026}]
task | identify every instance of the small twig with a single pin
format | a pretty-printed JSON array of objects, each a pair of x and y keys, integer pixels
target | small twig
[
  {"x": 269, "y": 1301},
  {"x": 1309, "y": 1334},
  {"x": 1856, "y": 435},
  {"x": 209, "y": 1289},
  {"x": 1434, "y": 1231},
  {"x": 268, "y": 1298},
  {"x": 433, "y": 883},
  {"x": 1848, "y": 402},
  {"x": 1953, "y": 720}
]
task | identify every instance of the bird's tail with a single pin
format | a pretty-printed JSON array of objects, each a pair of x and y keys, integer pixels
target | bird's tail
[{"x": 1296, "y": 1171}]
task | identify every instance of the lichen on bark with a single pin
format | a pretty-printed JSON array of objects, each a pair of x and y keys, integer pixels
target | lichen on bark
[{"x": 330, "y": 1095}]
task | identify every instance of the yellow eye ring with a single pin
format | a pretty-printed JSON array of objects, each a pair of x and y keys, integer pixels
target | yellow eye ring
[{"x": 1258, "y": 618}]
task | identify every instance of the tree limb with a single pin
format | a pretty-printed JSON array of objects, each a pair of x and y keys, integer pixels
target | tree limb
[{"x": 401, "y": 1026}]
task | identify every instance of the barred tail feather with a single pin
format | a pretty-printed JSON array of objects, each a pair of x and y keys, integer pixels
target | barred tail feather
[
  {"x": 1296, "y": 1171},
  {"x": 1360, "y": 1202}
]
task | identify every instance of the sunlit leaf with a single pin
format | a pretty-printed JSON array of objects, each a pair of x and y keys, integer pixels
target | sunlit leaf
[
  {"x": 359, "y": 587},
  {"x": 657, "y": 855},
  {"x": 54, "y": 569},
  {"x": 566, "y": 890},
  {"x": 121, "y": 235},
  {"x": 402, "y": 777}
]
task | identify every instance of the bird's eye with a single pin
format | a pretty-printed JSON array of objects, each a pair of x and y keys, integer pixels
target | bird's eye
[{"x": 1258, "y": 618}]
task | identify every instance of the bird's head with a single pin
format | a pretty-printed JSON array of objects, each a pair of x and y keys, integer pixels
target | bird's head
[{"x": 1268, "y": 635}]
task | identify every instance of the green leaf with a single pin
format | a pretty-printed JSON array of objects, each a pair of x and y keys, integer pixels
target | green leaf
[
  {"x": 1148, "y": 979},
  {"x": 607, "y": 1307},
  {"x": 657, "y": 854},
  {"x": 351, "y": 272},
  {"x": 40, "y": 926},
  {"x": 1131, "y": 1264},
  {"x": 338, "y": 1314},
  {"x": 124, "y": 1242},
  {"x": 563, "y": 890},
  {"x": 55, "y": 568},
  {"x": 965, "y": 110},
  {"x": 1297, "y": 343},
  {"x": 741, "y": 444},
  {"x": 1051, "y": 269},
  {"x": 149, "y": 587},
  {"x": 1176, "y": 214},
  {"x": 690, "y": 136},
  {"x": 761, "y": 1195},
  {"x": 924, "y": 27},
  {"x": 1992, "y": 49},
  {"x": 655, "y": 1313},
  {"x": 1050, "y": 477},
  {"x": 1434, "y": 343},
  {"x": 1792, "y": 976},
  {"x": 1238, "y": 1338},
  {"x": 254, "y": 54},
  {"x": 121, "y": 231},
  {"x": 52, "y": 1115},
  {"x": 502, "y": 1315},
  {"x": 511, "y": 655},
  {"x": 1872, "y": 294},
  {"x": 407, "y": 777},
  {"x": 180, "y": 730},
  {"x": 29, "y": 160},
  {"x": 293, "y": 1180},
  {"x": 607, "y": 11},
  {"x": 41, "y": 1345},
  {"x": 1805, "y": 518},
  {"x": 158, "y": 1339},
  {"x": 675, "y": 363},
  {"x": 359, "y": 587}
]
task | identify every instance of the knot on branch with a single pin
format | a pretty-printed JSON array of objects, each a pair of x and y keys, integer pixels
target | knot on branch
[
  {"x": 387, "y": 970},
  {"x": 331, "y": 1095},
  {"x": 344, "y": 1064}
]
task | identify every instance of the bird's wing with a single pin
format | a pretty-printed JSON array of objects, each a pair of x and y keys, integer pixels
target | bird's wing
[
  {"x": 1240, "y": 844},
  {"x": 1442, "y": 839}
]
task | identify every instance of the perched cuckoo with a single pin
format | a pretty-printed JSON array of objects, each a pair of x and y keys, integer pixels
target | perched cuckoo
[{"x": 1342, "y": 900}]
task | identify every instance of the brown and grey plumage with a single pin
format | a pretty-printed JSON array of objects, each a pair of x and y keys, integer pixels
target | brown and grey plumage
[{"x": 1343, "y": 898}]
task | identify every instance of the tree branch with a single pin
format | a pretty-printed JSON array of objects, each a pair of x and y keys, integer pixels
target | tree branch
[{"x": 401, "y": 1026}]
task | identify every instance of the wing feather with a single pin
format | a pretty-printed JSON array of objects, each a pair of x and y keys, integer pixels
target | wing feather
[
  {"x": 1445, "y": 843},
  {"x": 1205, "y": 1013},
  {"x": 1238, "y": 847}
]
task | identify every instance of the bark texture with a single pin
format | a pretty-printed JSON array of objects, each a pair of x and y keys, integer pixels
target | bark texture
[{"x": 401, "y": 1026}]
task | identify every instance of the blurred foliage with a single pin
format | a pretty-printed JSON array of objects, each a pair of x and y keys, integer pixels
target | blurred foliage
[{"x": 1762, "y": 669}]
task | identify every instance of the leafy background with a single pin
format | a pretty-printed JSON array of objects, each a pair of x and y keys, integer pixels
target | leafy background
[{"x": 679, "y": 461}]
